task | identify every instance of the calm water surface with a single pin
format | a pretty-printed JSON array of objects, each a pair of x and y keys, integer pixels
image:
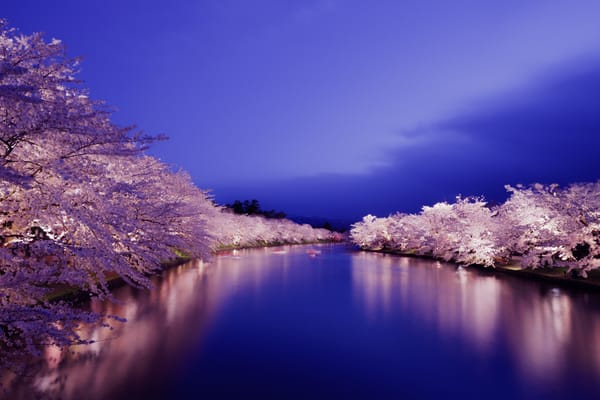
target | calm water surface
[{"x": 328, "y": 322}]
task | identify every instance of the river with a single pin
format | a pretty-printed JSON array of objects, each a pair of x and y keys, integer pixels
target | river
[{"x": 330, "y": 322}]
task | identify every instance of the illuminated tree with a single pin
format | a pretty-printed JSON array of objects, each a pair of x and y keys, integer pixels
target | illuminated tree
[
  {"x": 544, "y": 225},
  {"x": 80, "y": 202},
  {"x": 555, "y": 227}
]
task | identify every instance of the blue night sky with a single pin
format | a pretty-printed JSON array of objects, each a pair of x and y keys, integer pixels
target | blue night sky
[{"x": 342, "y": 108}]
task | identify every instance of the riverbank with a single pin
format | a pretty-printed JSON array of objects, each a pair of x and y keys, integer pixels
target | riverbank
[
  {"x": 226, "y": 248},
  {"x": 114, "y": 281},
  {"x": 556, "y": 275}
]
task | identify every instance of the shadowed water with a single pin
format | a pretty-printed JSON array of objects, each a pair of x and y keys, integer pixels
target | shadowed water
[{"x": 323, "y": 322}]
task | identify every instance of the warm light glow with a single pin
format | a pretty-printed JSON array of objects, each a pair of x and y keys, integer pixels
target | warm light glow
[{"x": 542, "y": 328}]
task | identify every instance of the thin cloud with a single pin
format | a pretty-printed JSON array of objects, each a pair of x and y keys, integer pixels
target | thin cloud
[{"x": 548, "y": 132}]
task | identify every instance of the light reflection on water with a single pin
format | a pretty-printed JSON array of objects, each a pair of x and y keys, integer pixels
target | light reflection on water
[
  {"x": 161, "y": 325},
  {"x": 547, "y": 331},
  {"x": 299, "y": 321},
  {"x": 156, "y": 330}
]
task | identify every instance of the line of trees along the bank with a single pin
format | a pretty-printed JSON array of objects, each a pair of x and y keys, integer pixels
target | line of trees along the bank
[
  {"x": 80, "y": 201},
  {"x": 252, "y": 207},
  {"x": 540, "y": 225}
]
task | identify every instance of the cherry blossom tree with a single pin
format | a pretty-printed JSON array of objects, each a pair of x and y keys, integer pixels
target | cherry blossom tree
[
  {"x": 372, "y": 233},
  {"x": 543, "y": 225},
  {"x": 555, "y": 227},
  {"x": 235, "y": 230},
  {"x": 464, "y": 232},
  {"x": 81, "y": 203}
]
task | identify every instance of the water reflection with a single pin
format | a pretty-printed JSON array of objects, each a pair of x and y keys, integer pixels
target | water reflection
[
  {"x": 547, "y": 331},
  {"x": 162, "y": 325},
  {"x": 305, "y": 322}
]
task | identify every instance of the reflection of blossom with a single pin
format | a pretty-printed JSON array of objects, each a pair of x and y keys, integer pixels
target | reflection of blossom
[
  {"x": 544, "y": 333},
  {"x": 161, "y": 324},
  {"x": 543, "y": 330}
]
